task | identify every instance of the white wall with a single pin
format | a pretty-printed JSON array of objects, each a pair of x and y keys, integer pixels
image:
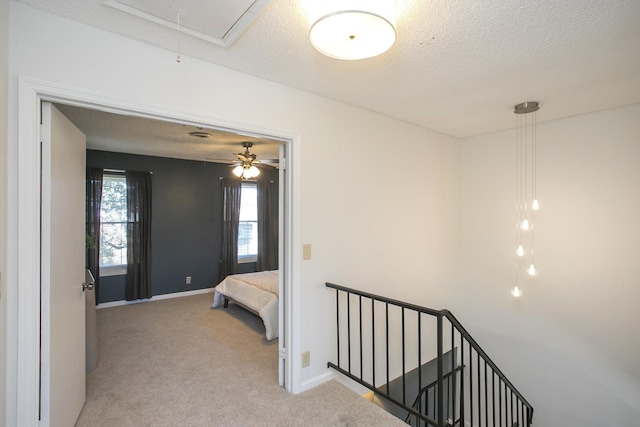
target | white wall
[
  {"x": 396, "y": 232},
  {"x": 571, "y": 344},
  {"x": 392, "y": 232},
  {"x": 4, "y": 70}
]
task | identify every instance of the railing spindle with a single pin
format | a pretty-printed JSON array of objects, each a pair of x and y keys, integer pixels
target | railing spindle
[
  {"x": 349, "y": 331},
  {"x": 493, "y": 395},
  {"x": 360, "y": 320},
  {"x": 486, "y": 394},
  {"x": 387, "y": 337},
  {"x": 471, "y": 384},
  {"x": 500, "y": 401},
  {"x": 404, "y": 369},
  {"x": 419, "y": 352},
  {"x": 478, "y": 378},
  {"x": 440, "y": 407},
  {"x": 453, "y": 366},
  {"x": 519, "y": 413},
  {"x": 511, "y": 409},
  {"x": 373, "y": 340},
  {"x": 338, "y": 321},
  {"x": 462, "y": 412}
]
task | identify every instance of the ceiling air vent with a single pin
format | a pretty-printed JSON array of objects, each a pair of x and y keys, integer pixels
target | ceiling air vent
[{"x": 201, "y": 135}]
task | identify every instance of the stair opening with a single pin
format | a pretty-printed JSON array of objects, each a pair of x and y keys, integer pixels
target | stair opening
[{"x": 421, "y": 364}]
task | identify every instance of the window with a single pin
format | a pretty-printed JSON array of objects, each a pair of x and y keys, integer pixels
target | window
[
  {"x": 248, "y": 229},
  {"x": 113, "y": 225}
]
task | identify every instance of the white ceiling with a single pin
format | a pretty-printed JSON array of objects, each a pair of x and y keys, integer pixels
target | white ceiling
[
  {"x": 458, "y": 66},
  {"x": 136, "y": 135}
]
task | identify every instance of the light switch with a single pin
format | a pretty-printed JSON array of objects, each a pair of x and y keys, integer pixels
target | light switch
[{"x": 306, "y": 251}]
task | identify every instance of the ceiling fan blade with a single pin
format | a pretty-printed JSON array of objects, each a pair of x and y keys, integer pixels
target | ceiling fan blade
[
  {"x": 209, "y": 159},
  {"x": 270, "y": 161},
  {"x": 266, "y": 165}
]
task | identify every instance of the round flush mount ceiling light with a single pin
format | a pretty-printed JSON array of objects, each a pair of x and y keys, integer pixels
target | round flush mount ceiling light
[{"x": 355, "y": 29}]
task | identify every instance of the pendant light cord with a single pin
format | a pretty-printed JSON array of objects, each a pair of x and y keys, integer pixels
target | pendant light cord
[{"x": 178, "y": 60}]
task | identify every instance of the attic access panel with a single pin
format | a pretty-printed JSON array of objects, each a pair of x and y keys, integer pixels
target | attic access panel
[{"x": 219, "y": 22}]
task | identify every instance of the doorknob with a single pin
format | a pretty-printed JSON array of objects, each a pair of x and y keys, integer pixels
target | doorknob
[{"x": 89, "y": 280}]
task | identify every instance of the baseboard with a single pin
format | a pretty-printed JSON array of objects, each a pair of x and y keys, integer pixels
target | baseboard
[
  {"x": 156, "y": 298},
  {"x": 354, "y": 386},
  {"x": 332, "y": 375},
  {"x": 316, "y": 381}
]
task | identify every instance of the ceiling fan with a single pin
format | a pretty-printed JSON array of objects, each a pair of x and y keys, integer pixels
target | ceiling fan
[{"x": 245, "y": 166}]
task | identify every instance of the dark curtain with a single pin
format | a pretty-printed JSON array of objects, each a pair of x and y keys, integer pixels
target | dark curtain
[
  {"x": 138, "y": 284},
  {"x": 231, "y": 193},
  {"x": 92, "y": 225},
  {"x": 267, "y": 228}
]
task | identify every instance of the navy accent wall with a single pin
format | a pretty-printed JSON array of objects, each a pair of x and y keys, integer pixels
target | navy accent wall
[{"x": 186, "y": 221}]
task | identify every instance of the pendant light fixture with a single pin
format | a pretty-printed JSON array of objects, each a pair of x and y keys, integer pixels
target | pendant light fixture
[
  {"x": 526, "y": 198},
  {"x": 353, "y": 29}
]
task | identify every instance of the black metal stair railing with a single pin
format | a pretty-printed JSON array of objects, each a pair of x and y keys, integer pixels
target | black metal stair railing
[
  {"x": 383, "y": 344},
  {"x": 426, "y": 404}
]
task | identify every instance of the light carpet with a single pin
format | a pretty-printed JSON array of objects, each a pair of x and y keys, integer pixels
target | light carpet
[{"x": 177, "y": 362}]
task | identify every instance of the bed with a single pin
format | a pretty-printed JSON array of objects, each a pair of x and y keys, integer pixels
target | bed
[{"x": 256, "y": 292}]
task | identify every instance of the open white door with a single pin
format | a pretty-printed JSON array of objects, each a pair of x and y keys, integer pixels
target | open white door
[
  {"x": 282, "y": 343},
  {"x": 63, "y": 270}
]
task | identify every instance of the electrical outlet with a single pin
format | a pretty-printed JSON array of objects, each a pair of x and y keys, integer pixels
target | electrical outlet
[
  {"x": 306, "y": 359},
  {"x": 188, "y": 281},
  {"x": 306, "y": 251}
]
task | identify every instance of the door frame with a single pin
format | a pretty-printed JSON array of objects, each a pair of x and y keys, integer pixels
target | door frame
[{"x": 31, "y": 92}]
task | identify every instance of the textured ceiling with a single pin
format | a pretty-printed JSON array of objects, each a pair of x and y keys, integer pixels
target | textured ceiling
[
  {"x": 458, "y": 66},
  {"x": 136, "y": 135}
]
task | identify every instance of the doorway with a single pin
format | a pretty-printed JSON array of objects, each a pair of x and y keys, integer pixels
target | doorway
[{"x": 31, "y": 94}]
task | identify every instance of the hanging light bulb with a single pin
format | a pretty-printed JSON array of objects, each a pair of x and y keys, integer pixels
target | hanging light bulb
[
  {"x": 237, "y": 171},
  {"x": 526, "y": 176}
]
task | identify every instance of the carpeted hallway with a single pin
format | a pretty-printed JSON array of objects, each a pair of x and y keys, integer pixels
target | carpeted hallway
[{"x": 177, "y": 362}]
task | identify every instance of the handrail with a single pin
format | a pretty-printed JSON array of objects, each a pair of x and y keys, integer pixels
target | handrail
[
  {"x": 522, "y": 410},
  {"x": 484, "y": 355},
  {"x": 385, "y": 299}
]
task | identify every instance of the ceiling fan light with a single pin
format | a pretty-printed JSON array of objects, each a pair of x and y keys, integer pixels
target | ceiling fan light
[
  {"x": 237, "y": 171},
  {"x": 353, "y": 30},
  {"x": 254, "y": 171}
]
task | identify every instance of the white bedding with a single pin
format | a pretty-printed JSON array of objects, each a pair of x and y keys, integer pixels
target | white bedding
[{"x": 256, "y": 291}]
